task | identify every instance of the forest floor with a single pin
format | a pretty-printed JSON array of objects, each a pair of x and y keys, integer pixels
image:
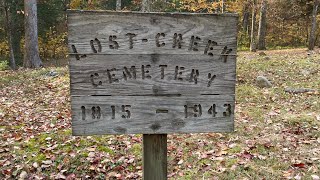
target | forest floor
[{"x": 277, "y": 134}]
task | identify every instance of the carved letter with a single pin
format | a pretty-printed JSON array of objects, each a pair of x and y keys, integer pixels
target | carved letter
[
  {"x": 194, "y": 43},
  {"x": 158, "y": 41},
  {"x": 209, "y": 48},
  {"x": 225, "y": 53},
  {"x": 93, "y": 47},
  {"x": 131, "y": 35},
  {"x": 92, "y": 80},
  {"x": 211, "y": 78},
  {"x": 112, "y": 76},
  {"x": 113, "y": 44},
  {"x": 178, "y": 73},
  {"x": 145, "y": 73},
  {"x": 74, "y": 49},
  {"x": 177, "y": 40},
  {"x": 162, "y": 70},
  {"x": 132, "y": 73},
  {"x": 194, "y": 76}
]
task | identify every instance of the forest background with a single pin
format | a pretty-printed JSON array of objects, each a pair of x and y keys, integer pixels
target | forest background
[
  {"x": 263, "y": 24},
  {"x": 277, "y": 128}
]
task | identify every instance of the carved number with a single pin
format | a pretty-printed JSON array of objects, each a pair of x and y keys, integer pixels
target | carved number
[
  {"x": 126, "y": 111},
  {"x": 212, "y": 110},
  {"x": 96, "y": 112},
  {"x": 189, "y": 111},
  {"x": 228, "y": 111},
  {"x": 196, "y": 110}
]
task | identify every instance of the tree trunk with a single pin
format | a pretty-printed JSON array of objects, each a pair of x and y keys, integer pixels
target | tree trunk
[
  {"x": 118, "y": 5},
  {"x": 262, "y": 26},
  {"x": 16, "y": 35},
  {"x": 12, "y": 61},
  {"x": 245, "y": 19},
  {"x": 31, "y": 55},
  {"x": 313, "y": 25},
  {"x": 223, "y": 6},
  {"x": 253, "y": 24}
]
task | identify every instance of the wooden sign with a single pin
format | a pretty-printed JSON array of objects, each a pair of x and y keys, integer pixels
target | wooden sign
[{"x": 152, "y": 73}]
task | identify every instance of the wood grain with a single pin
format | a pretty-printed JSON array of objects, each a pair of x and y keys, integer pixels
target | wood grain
[
  {"x": 148, "y": 115},
  {"x": 223, "y": 83},
  {"x": 151, "y": 73},
  {"x": 155, "y": 156},
  {"x": 86, "y": 26}
]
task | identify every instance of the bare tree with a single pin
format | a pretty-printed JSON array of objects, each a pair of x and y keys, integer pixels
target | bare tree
[
  {"x": 118, "y": 5},
  {"x": 31, "y": 54},
  {"x": 262, "y": 26},
  {"x": 253, "y": 24},
  {"x": 245, "y": 18},
  {"x": 12, "y": 61},
  {"x": 312, "y": 36}
]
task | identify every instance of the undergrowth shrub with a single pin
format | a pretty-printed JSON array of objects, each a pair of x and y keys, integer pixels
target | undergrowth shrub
[{"x": 4, "y": 65}]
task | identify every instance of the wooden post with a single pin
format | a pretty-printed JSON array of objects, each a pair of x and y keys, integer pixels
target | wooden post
[{"x": 155, "y": 156}]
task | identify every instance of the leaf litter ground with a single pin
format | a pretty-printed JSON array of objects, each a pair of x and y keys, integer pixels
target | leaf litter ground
[{"x": 277, "y": 133}]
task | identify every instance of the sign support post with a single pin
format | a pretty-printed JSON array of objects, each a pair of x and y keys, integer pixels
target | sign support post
[{"x": 155, "y": 156}]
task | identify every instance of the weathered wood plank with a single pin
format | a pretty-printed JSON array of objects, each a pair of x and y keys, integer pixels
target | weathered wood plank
[
  {"x": 151, "y": 115},
  {"x": 153, "y": 74},
  {"x": 150, "y": 33}
]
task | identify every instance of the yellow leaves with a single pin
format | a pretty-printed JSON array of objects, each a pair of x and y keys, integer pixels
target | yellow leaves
[
  {"x": 198, "y": 6},
  {"x": 88, "y": 5},
  {"x": 75, "y": 4},
  {"x": 54, "y": 46},
  {"x": 4, "y": 48}
]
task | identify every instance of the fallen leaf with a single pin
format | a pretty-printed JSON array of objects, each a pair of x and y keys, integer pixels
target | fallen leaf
[
  {"x": 71, "y": 177},
  {"x": 35, "y": 165},
  {"x": 299, "y": 165},
  {"x": 60, "y": 176},
  {"x": 47, "y": 162},
  {"x": 297, "y": 177},
  {"x": 246, "y": 155},
  {"x": 92, "y": 149},
  {"x": 315, "y": 177},
  {"x": 91, "y": 154},
  {"x": 23, "y": 175}
]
